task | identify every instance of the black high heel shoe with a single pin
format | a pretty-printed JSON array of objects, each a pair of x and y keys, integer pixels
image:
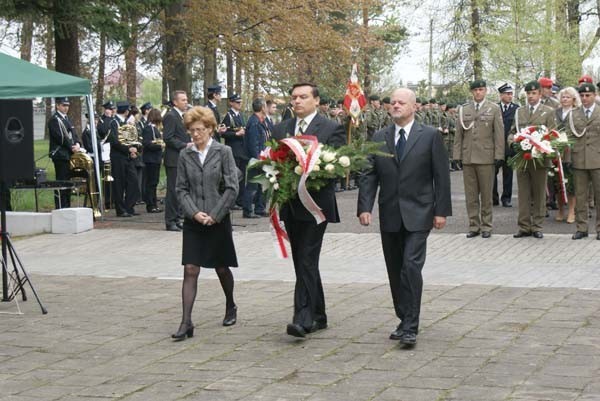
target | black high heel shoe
[
  {"x": 230, "y": 316},
  {"x": 185, "y": 329}
]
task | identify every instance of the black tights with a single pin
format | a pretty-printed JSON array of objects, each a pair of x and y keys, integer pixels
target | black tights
[{"x": 190, "y": 287}]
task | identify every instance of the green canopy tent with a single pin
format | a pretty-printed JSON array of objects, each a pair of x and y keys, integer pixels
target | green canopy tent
[{"x": 20, "y": 79}]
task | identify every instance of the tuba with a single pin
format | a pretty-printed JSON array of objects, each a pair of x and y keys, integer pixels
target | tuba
[
  {"x": 128, "y": 136},
  {"x": 82, "y": 165}
]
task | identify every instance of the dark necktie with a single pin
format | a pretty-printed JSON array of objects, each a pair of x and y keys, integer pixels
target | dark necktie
[
  {"x": 531, "y": 109},
  {"x": 400, "y": 144},
  {"x": 477, "y": 107},
  {"x": 301, "y": 126},
  {"x": 588, "y": 113}
]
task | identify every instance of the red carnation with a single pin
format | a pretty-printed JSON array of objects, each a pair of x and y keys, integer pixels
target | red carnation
[
  {"x": 527, "y": 156},
  {"x": 280, "y": 154},
  {"x": 547, "y": 137},
  {"x": 554, "y": 133},
  {"x": 519, "y": 139}
]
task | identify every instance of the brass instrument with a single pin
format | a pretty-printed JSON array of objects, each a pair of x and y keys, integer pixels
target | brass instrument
[
  {"x": 128, "y": 136},
  {"x": 160, "y": 142},
  {"x": 82, "y": 165}
]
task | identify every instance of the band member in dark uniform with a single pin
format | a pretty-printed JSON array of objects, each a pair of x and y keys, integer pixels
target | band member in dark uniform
[
  {"x": 508, "y": 109},
  {"x": 214, "y": 97},
  {"x": 234, "y": 138},
  {"x": 152, "y": 155},
  {"x": 63, "y": 143}
]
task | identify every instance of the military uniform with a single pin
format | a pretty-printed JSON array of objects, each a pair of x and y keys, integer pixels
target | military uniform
[
  {"x": 585, "y": 156},
  {"x": 508, "y": 116},
  {"x": 478, "y": 143},
  {"x": 531, "y": 183},
  {"x": 374, "y": 121}
]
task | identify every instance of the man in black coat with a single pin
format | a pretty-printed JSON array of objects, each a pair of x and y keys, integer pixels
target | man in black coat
[
  {"x": 234, "y": 138},
  {"x": 63, "y": 143},
  {"x": 306, "y": 236},
  {"x": 508, "y": 109},
  {"x": 414, "y": 196},
  {"x": 176, "y": 138},
  {"x": 213, "y": 94}
]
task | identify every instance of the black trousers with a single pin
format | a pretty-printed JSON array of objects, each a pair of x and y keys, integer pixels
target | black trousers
[
  {"x": 241, "y": 163},
  {"x": 306, "y": 239},
  {"x": 172, "y": 210},
  {"x": 507, "y": 183},
  {"x": 404, "y": 252},
  {"x": 125, "y": 185},
  {"x": 62, "y": 198},
  {"x": 151, "y": 177}
]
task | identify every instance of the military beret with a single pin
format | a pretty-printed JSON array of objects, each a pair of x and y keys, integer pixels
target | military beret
[
  {"x": 586, "y": 87},
  {"x": 441, "y": 102},
  {"x": 146, "y": 106},
  {"x": 545, "y": 82},
  {"x": 585, "y": 78},
  {"x": 62, "y": 100},
  {"x": 373, "y": 97},
  {"x": 451, "y": 106},
  {"x": 214, "y": 89},
  {"x": 419, "y": 100},
  {"x": 323, "y": 101},
  {"x": 123, "y": 106},
  {"x": 424, "y": 102},
  {"x": 386, "y": 100},
  {"x": 532, "y": 85},
  {"x": 506, "y": 88},
  {"x": 432, "y": 101},
  {"x": 109, "y": 105},
  {"x": 235, "y": 98},
  {"x": 478, "y": 83}
]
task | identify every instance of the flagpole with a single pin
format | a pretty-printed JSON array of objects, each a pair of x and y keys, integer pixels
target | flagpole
[{"x": 348, "y": 139}]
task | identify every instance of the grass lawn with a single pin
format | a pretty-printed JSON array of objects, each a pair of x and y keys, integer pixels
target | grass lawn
[{"x": 24, "y": 200}]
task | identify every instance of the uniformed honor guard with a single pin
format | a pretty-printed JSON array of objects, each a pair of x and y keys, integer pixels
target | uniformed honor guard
[
  {"x": 531, "y": 182},
  {"x": 508, "y": 109},
  {"x": 479, "y": 145},
  {"x": 235, "y": 130},
  {"x": 374, "y": 116},
  {"x": 63, "y": 143},
  {"x": 548, "y": 98},
  {"x": 584, "y": 126}
]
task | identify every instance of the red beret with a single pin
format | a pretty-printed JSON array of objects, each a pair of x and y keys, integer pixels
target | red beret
[
  {"x": 585, "y": 78},
  {"x": 545, "y": 82}
]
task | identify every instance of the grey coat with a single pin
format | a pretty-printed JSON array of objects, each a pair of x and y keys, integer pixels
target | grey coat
[{"x": 211, "y": 187}]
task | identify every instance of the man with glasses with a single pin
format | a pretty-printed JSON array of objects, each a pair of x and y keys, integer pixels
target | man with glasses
[{"x": 584, "y": 124}]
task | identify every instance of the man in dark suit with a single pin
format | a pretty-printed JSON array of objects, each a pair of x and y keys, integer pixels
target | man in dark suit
[
  {"x": 414, "y": 196},
  {"x": 306, "y": 236},
  {"x": 508, "y": 109},
  {"x": 63, "y": 143},
  {"x": 234, "y": 138},
  {"x": 213, "y": 94},
  {"x": 176, "y": 138}
]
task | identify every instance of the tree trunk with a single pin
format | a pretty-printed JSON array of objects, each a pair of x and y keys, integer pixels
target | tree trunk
[
  {"x": 547, "y": 52},
  {"x": 238, "y": 73},
  {"x": 49, "y": 48},
  {"x": 176, "y": 48},
  {"x": 366, "y": 57},
  {"x": 131, "y": 60},
  {"x": 101, "y": 73},
  {"x": 26, "y": 38},
  {"x": 230, "y": 82},
  {"x": 475, "y": 47},
  {"x": 67, "y": 58},
  {"x": 210, "y": 66}
]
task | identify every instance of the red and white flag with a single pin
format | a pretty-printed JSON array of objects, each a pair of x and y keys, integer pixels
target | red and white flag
[{"x": 354, "y": 100}]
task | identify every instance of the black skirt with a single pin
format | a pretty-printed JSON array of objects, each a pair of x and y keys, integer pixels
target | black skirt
[{"x": 208, "y": 246}]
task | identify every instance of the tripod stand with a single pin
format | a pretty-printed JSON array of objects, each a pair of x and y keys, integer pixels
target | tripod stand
[{"x": 18, "y": 274}]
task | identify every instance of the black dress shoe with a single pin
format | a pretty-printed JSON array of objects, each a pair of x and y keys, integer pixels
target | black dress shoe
[
  {"x": 124, "y": 215},
  {"x": 250, "y": 216},
  {"x": 396, "y": 334},
  {"x": 506, "y": 204},
  {"x": 486, "y": 234},
  {"x": 134, "y": 213},
  {"x": 185, "y": 330},
  {"x": 408, "y": 338},
  {"x": 580, "y": 235},
  {"x": 296, "y": 330},
  {"x": 538, "y": 234},
  {"x": 173, "y": 227},
  {"x": 495, "y": 203},
  {"x": 230, "y": 316},
  {"x": 236, "y": 207},
  {"x": 522, "y": 234},
  {"x": 316, "y": 326},
  {"x": 179, "y": 225},
  {"x": 472, "y": 234},
  {"x": 154, "y": 210}
]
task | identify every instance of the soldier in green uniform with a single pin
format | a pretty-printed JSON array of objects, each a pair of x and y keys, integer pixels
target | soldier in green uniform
[
  {"x": 419, "y": 112},
  {"x": 531, "y": 182},
  {"x": 386, "y": 104},
  {"x": 374, "y": 116},
  {"x": 584, "y": 126},
  {"x": 479, "y": 144},
  {"x": 323, "y": 107}
]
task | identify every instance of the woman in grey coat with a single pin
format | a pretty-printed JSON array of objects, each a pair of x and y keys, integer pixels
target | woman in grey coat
[{"x": 207, "y": 186}]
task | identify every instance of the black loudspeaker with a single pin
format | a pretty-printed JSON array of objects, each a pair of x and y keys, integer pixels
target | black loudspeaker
[{"x": 16, "y": 140}]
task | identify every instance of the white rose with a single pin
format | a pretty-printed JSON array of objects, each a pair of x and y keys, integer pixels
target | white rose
[
  {"x": 565, "y": 180},
  {"x": 276, "y": 186},
  {"x": 328, "y": 157},
  {"x": 329, "y": 167},
  {"x": 550, "y": 174},
  {"x": 535, "y": 153},
  {"x": 316, "y": 168},
  {"x": 344, "y": 161},
  {"x": 298, "y": 170},
  {"x": 525, "y": 144},
  {"x": 272, "y": 180}
]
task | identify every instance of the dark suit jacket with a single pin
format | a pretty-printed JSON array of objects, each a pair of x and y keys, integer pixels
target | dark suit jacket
[
  {"x": 153, "y": 152},
  {"x": 62, "y": 137},
  {"x": 175, "y": 136},
  {"x": 117, "y": 149},
  {"x": 413, "y": 189},
  {"x": 235, "y": 142},
  {"x": 255, "y": 137},
  {"x": 211, "y": 187},
  {"x": 508, "y": 117},
  {"x": 329, "y": 133}
]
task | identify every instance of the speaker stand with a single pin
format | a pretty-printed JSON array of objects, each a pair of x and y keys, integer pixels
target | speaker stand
[{"x": 18, "y": 274}]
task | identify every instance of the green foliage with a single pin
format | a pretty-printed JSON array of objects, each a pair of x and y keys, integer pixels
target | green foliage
[{"x": 151, "y": 92}]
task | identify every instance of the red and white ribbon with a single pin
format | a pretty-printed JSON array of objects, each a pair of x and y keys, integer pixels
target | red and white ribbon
[
  {"x": 279, "y": 234},
  {"x": 307, "y": 161},
  {"x": 539, "y": 145},
  {"x": 561, "y": 180}
]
